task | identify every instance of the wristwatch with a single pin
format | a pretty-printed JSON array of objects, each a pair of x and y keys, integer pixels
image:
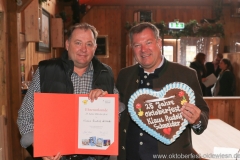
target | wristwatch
[{"x": 197, "y": 126}]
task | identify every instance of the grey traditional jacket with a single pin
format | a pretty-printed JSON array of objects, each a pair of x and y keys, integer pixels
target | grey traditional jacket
[{"x": 127, "y": 84}]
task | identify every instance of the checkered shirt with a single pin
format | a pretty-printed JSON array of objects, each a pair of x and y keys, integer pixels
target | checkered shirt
[{"x": 81, "y": 84}]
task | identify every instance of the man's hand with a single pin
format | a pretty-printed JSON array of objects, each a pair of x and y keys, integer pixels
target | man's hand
[
  {"x": 95, "y": 93},
  {"x": 57, "y": 157},
  {"x": 191, "y": 113}
]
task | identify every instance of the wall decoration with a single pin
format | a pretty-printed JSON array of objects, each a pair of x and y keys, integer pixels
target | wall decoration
[
  {"x": 143, "y": 16},
  {"x": 102, "y": 47},
  {"x": 22, "y": 46},
  {"x": 192, "y": 29},
  {"x": 44, "y": 45}
]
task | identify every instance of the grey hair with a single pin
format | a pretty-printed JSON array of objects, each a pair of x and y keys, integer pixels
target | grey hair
[
  {"x": 84, "y": 26},
  {"x": 140, "y": 27}
]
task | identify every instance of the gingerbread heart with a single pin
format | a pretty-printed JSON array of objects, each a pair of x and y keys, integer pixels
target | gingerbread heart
[{"x": 158, "y": 112}]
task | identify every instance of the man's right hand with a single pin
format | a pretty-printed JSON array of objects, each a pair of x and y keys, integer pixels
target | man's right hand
[
  {"x": 95, "y": 93},
  {"x": 57, "y": 157}
]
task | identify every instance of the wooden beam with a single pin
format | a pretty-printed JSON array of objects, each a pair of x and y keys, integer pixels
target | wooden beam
[
  {"x": 3, "y": 88},
  {"x": 143, "y": 2},
  {"x": 14, "y": 83},
  {"x": 150, "y": 2},
  {"x": 123, "y": 35},
  {"x": 24, "y": 4}
]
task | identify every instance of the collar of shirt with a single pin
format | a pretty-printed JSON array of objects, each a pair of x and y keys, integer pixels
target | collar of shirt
[
  {"x": 89, "y": 68},
  {"x": 160, "y": 65}
]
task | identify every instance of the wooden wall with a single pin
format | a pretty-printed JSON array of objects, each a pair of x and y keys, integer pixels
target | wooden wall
[
  {"x": 107, "y": 20},
  {"x": 227, "y": 110},
  {"x": 110, "y": 21},
  {"x": 10, "y": 89},
  {"x": 110, "y": 17},
  {"x": 3, "y": 81},
  {"x": 3, "y": 57},
  {"x": 33, "y": 56},
  {"x": 231, "y": 26},
  {"x": 170, "y": 13}
]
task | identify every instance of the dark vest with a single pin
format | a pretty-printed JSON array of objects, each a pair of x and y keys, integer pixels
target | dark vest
[{"x": 55, "y": 75}]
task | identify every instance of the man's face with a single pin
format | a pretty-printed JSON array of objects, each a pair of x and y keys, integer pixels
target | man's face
[
  {"x": 147, "y": 49},
  {"x": 81, "y": 47},
  {"x": 217, "y": 60}
]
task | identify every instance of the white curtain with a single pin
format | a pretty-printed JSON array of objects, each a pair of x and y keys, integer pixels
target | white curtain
[
  {"x": 235, "y": 43},
  {"x": 207, "y": 45}
]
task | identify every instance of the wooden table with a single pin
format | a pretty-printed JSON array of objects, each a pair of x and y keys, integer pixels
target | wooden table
[{"x": 217, "y": 134}]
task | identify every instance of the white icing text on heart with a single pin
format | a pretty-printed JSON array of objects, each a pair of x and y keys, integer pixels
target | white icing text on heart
[{"x": 170, "y": 116}]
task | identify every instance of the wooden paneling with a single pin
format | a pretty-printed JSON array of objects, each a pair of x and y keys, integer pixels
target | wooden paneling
[
  {"x": 4, "y": 103},
  {"x": 231, "y": 25},
  {"x": 108, "y": 22},
  {"x": 3, "y": 58},
  {"x": 2, "y": 63},
  {"x": 14, "y": 89},
  {"x": 4, "y": 155},
  {"x": 24, "y": 4},
  {"x": 160, "y": 13},
  {"x": 149, "y": 2},
  {"x": 32, "y": 56},
  {"x": 169, "y": 13},
  {"x": 3, "y": 137},
  {"x": 57, "y": 36},
  {"x": 11, "y": 98},
  {"x": 109, "y": 19},
  {"x": 31, "y": 22},
  {"x": 227, "y": 110}
]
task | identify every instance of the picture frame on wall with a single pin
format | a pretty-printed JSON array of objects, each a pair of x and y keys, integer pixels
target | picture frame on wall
[
  {"x": 102, "y": 46},
  {"x": 143, "y": 16},
  {"x": 44, "y": 26}
]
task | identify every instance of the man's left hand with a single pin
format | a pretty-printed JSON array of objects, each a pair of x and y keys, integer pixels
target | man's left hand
[{"x": 191, "y": 113}]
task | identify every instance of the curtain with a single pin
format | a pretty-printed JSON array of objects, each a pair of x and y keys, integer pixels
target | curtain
[{"x": 207, "y": 45}]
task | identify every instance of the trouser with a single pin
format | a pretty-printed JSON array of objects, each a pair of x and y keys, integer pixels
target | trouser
[
  {"x": 72, "y": 157},
  {"x": 85, "y": 157}
]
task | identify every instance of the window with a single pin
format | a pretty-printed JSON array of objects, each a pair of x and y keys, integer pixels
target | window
[
  {"x": 169, "y": 49},
  {"x": 168, "y": 52},
  {"x": 190, "y": 54}
]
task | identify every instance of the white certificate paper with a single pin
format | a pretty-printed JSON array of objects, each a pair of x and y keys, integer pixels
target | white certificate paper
[
  {"x": 96, "y": 123},
  {"x": 210, "y": 80}
]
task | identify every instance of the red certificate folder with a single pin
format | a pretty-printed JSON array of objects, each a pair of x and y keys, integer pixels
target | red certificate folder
[{"x": 56, "y": 125}]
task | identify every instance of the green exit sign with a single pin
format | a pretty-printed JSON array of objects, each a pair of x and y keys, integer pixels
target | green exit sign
[{"x": 176, "y": 25}]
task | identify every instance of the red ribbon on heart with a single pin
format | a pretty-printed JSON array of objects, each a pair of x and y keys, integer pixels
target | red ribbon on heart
[{"x": 167, "y": 131}]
